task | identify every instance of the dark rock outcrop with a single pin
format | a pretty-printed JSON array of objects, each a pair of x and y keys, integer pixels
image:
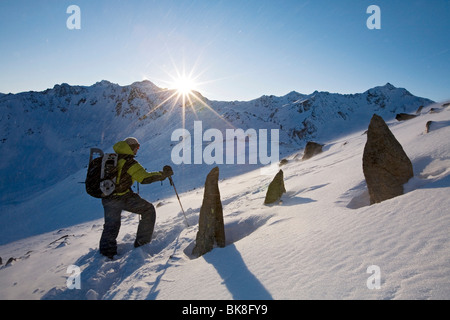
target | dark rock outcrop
[
  {"x": 435, "y": 110},
  {"x": 428, "y": 126},
  {"x": 385, "y": 164},
  {"x": 10, "y": 261},
  {"x": 211, "y": 229},
  {"x": 404, "y": 116},
  {"x": 436, "y": 125},
  {"x": 276, "y": 189},
  {"x": 312, "y": 149},
  {"x": 419, "y": 110}
]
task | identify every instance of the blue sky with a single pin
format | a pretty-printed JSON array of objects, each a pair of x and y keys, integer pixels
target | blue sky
[{"x": 236, "y": 49}]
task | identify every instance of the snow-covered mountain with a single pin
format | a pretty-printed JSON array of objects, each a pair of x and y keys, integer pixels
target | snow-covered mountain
[
  {"x": 45, "y": 136},
  {"x": 323, "y": 241}
]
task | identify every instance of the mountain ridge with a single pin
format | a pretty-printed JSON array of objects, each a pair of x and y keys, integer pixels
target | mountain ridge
[{"x": 61, "y": 124}]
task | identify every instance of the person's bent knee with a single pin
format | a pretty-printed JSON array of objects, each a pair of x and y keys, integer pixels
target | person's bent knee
[{"x": 149, "y": 211}]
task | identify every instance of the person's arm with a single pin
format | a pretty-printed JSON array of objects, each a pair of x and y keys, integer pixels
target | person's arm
[
  {"x": 157, "y": 176},
  {"x": 139, "y": 174}
]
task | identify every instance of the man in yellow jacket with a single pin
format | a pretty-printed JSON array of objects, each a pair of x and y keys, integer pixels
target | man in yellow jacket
[{"x": 123, "y": 198}]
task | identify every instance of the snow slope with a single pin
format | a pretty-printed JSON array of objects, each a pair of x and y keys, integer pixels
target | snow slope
[
  {"x": 45, "y": 139},
  {"x": 318, "y": 243}
]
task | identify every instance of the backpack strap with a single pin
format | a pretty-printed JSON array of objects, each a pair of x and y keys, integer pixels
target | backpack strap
[
  {"x": 129, "y": 162},
  {"x": 124, "y": 181}
]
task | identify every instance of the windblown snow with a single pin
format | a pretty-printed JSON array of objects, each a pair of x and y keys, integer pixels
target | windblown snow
[{"x": 322, "y": 241}]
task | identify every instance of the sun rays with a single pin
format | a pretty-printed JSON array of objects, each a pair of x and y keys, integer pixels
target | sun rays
[
  {"x": 184, "y": 85},
  {"x": 183, "y": 90}
]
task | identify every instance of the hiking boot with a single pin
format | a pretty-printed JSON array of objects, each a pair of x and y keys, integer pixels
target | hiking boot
[
  {"x": 139, "y": 243},
  {"x": 109, "y": 255}
]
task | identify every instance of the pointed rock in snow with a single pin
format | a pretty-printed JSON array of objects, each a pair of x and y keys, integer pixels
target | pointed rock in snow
[
  {"x": 211, "y": 229},
  {"x": 276, "y": 188},
  {"x": 385, "y": 164}
]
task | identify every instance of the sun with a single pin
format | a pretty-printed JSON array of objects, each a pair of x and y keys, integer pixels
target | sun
[
  {"x": 184, "y": 85},
  {"x": 184, "y": 90}
]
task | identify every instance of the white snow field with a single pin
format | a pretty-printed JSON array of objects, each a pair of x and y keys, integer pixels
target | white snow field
[{"x": 322, "y": 241}]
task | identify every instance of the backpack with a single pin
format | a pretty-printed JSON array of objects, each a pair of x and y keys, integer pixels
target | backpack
[{"x": 101, "y": 174}]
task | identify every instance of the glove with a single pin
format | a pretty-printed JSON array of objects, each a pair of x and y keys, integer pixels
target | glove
[{"x": 167, "y": 171}]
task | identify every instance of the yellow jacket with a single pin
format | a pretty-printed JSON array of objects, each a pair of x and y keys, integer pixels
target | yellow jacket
[{"x": 129, "y": 170}]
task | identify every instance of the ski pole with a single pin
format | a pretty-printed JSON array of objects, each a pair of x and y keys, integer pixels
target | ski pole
[{"x": 173, "y": 185}]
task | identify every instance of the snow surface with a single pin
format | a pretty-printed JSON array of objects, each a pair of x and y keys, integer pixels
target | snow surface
[
  {"x": 45, "y": 137},
  {"x": 318, "y": 243}
]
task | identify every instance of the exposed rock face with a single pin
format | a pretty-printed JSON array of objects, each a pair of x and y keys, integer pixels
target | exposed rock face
[
  {"x": 276, "y": 188},
  {"x": 312, "y": 149},
  {"x": 211, "y": 229},
  {"x": 404, "y": 116},
  {"x": 428, "y": 126},
  {"x": 419, "y": 110},
  {"x": 435, "y": 110},
  {"x": 436, "y": 125},
  {"x": 385, "y": 164}
]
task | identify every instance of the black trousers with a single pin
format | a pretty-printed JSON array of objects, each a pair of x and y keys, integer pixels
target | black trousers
[{"x": 113, "y": 207}]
